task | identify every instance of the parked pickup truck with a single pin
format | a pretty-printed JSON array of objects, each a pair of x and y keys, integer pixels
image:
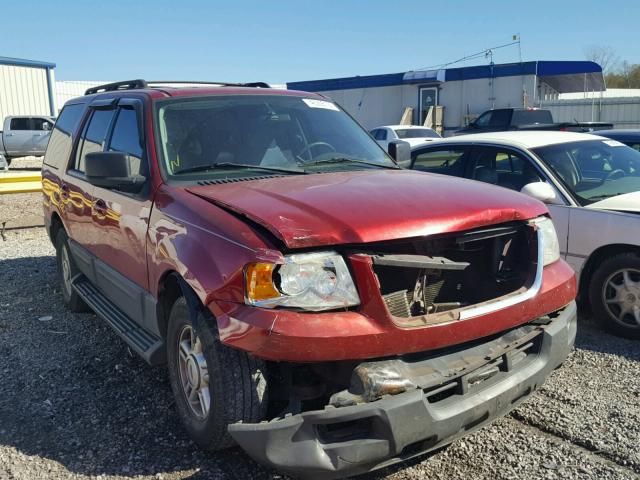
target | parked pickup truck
[
  {"x": 23, "y": 136},
  {"x": 502, "y": 119},
  {"x": 324, "y": 309}
]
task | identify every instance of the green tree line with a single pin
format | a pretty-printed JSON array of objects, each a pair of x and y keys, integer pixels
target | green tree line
[{"x": 625, "y": 76}]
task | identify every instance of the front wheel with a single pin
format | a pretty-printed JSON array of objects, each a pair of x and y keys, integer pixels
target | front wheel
[
  {"x": 614, "y": 294},
  {"x": 213, "y": 385}
]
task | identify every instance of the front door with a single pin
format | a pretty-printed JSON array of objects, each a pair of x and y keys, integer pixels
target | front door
[
  {"x": 120, "y": 219},
  {"x": 41, "y": 130},
  {"x": 428, "y": 98}
]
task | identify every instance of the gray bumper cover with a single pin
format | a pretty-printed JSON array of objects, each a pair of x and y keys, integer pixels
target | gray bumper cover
[{"x": 401, "y": 426}]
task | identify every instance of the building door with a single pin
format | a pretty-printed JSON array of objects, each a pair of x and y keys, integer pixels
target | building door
[{"x": 428, "y": 98}]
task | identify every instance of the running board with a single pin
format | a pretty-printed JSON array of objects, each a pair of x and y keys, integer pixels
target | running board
[{"x": 147, "y": 345}]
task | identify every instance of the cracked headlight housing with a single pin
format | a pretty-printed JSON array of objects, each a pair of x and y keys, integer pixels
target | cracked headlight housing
[
  {"x": 308, "y": 281},
  {"x": 551, "y": 247}
]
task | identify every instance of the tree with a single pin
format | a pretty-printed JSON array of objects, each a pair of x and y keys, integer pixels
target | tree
[{"x": 603, "y": 55}]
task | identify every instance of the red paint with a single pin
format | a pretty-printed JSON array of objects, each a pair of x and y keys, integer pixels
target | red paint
[
  {"x": 368, "y": 206},
  {"x": 201, "y": 233}
]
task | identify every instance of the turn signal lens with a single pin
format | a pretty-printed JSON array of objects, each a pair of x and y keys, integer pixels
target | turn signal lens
[{"x": 259, "y": 282}]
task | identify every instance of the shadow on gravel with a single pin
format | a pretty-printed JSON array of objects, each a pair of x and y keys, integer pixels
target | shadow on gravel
[
  {"x": 73, "y": 393},
  {"x": 592, "y": 337}
]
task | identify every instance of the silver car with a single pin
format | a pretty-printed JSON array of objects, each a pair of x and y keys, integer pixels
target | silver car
[{"x": 591, "y": 185}]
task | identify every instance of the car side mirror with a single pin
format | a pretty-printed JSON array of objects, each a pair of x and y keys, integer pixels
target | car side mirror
[
  {"x": 46, "y": 127},
  {"x": 542, "y": 191},
  {"x": 400, "y": 151},
  {"x": 111, "y": 170}
]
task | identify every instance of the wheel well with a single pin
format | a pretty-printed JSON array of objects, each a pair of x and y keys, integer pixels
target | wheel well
[
  {"x": 595, "y": 259},
  {"x": 56, "y": 224},
  {"x": 168, "y": 292}
]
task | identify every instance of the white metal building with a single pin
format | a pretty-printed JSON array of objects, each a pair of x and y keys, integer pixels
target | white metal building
[
  {"x": 26, "y": 87},
  {"x": 68, "y": 89},
  {"x": 464, "y": 93}
]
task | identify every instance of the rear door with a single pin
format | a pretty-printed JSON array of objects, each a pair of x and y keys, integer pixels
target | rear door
[
  {"x": 18, "y": 139},
  {"x": 76, "y": 191}
]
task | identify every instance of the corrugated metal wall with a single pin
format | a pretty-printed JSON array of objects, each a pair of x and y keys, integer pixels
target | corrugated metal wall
[
  {"x": 622, "y": 112},
  {"x": 68, "y": 89},
  {"x": 23, "y": 91}
]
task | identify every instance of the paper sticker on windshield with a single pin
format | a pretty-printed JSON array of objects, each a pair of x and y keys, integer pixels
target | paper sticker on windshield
[
  {"x": 613, "y": 143},
  {"x": 313, "y": 103}
]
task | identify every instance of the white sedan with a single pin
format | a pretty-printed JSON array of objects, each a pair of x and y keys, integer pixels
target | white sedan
[
  {"x": 592, "y": 188},
  {"x": 412, "y": 134}
]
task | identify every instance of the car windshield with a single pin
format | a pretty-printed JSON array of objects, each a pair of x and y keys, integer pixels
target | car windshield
[
  {"x": 416, "y": 133},
  {"x": 594, "y": 170},
  {"x": 248, "y": 135}
]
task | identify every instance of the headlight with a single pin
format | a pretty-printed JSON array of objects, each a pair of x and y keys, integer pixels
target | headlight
[
  {"x": 551, "y": 247},
  {"x": 310, "y": 281}
]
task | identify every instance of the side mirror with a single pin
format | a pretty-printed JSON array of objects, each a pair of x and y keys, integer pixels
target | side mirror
[
  {"x": 400, "y": 151},
  {"x": 542, "y": 191},
  {"x": 111, "y": 170},
  {"x": 46, "y": 126}
]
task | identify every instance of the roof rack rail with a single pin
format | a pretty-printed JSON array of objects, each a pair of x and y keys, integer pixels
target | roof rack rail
[
  {"x": 110, "y": 87},
  {"x": 224, "y": 84}
]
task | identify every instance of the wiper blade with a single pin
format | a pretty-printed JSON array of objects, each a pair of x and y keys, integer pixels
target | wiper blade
[
  {"x": 230, "y": 165},
  {"x": 351, "y": 160}
]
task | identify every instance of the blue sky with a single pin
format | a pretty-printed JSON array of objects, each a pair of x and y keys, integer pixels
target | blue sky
[{"x": 280, "y": 41}]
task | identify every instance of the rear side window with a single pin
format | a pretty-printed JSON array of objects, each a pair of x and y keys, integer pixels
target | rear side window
[
  {"x": 528, "y": 117},
  {"x": 445, "y": 161},
  {"x": 94, "y": 135},
  {"x": 126, "y": 139},
  {"x": 20, "y": 124},
  {"x": 499, "y": 118},
  {"x": 61, "y": 141}
]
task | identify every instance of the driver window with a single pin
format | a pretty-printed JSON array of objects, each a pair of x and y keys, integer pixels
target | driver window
[
  {"x": 484, "y": 119},
  {"x": 504, "y": 168}
]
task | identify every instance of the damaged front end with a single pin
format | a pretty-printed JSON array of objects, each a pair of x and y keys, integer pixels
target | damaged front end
[
  {"x": 432, "y": 280},
  {"x": 345, "y": 418}
]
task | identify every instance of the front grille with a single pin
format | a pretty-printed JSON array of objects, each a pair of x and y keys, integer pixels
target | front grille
[{"x": 455, "y": 271}]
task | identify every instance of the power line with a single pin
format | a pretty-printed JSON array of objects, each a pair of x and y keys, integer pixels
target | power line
[{"x": 473, "y": 56}]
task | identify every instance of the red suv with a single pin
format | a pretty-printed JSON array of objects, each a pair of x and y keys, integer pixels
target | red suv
[{"x": 326, "y": 310}]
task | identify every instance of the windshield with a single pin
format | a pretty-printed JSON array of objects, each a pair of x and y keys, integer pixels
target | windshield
[
  {"x": 247, "y": 135},
  {"x": 416, "y": 133},
  {"x": 594, "y": 170}
]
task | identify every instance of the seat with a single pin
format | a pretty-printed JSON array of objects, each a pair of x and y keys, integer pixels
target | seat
[{"x": 485, "y": 174}]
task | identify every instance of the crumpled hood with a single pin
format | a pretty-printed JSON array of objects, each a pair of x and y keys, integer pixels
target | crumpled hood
[
  {"x": 368, "y": 205},
  {"x": 629, "y": 202}
]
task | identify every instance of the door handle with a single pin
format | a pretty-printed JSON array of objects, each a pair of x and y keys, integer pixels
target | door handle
[
  {"x": 9, "y": 134},
  {"x": 64, "y": 190}
]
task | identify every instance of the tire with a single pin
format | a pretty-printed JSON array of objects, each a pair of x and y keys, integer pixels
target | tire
[
  {"x": 66, "y": 271},
  {"x": 236, "y": 387},
  {"x": 615, "y": 295}
]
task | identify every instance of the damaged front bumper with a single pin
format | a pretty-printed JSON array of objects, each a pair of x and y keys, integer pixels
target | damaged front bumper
[{"x": 446, "y": 397}]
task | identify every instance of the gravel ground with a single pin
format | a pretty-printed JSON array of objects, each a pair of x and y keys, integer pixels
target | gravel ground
[
  {"x": 23, "y": 209},
  {"x": 75, "y": 403}
]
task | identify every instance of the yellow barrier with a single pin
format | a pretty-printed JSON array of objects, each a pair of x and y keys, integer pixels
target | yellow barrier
[{"x": 20, "y": 182}]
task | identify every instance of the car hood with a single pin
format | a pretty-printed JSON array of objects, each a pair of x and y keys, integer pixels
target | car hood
[
  {"x": 367, "y": 206},
  {"x": 628, "y": 202}
]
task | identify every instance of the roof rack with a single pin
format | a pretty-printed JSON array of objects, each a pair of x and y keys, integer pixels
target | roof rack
[
  {"x": 151, "y": 83},
  {"x": 139, "y": 83},
  {"x": 110, "y": 87}
]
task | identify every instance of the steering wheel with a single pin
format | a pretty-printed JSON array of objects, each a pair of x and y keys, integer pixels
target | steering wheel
[
  {"x": 308, "y": 148},
  {"x": 615, "y": 174}
]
